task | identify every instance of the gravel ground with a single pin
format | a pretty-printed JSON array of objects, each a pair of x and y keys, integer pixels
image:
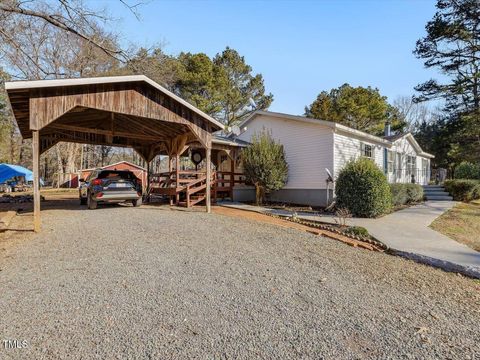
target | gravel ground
[{"x": 150, "y": 283}]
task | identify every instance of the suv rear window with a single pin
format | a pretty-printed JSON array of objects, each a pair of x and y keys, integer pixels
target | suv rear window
[{"x": 111, "y": 174}]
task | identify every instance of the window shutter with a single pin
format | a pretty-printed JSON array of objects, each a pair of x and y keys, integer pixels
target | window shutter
[{"x": 385, "y": 160}]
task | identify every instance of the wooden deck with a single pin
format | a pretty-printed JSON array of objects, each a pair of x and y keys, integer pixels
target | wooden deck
[{"x": 188, "y": 187}]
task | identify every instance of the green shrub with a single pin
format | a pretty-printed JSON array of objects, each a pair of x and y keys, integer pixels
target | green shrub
[
  {"x": 414, "y": 193},
  {"x": 467, "y": 170},
  {"x": 406, "y": 194},
  {"x": 399, "y": 194},
  {"x": 264, "y": 164},
  {"x": 463, "y": 189},
  {"x": 358, "y": 231},
  {"x": 363, "y": 189}
]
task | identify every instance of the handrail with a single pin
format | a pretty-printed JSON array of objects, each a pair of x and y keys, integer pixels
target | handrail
[
  {"x": 189, "y": 182},
  {"x": 196, "y": 182}
]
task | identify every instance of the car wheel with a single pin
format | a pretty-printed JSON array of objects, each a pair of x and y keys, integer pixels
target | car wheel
[
  {"x": 92, "y": 204},
  {"x": 137, "y": 203},
  {"x": 83, "y": 201}
]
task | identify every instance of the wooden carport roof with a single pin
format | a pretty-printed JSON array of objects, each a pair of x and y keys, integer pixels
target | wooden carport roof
[{"x": 127, "y": 111}]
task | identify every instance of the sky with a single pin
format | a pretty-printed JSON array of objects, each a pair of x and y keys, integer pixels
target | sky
[{"x": 300, "y": 47}]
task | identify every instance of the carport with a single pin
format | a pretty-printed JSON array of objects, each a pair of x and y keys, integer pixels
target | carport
[{"x": 123, "y": 111}]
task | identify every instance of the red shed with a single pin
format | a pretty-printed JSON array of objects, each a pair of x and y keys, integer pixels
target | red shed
[{"x": 139, "y": 171}]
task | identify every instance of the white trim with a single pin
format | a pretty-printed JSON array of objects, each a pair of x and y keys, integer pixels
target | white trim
[
  {"x": 415, "y": 144},
  {"x": 36, "y": 84},
  {"x": 227, "y": 142}
]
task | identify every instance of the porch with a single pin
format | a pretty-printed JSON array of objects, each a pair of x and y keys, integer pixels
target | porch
[{"x": 187, "y": 187}]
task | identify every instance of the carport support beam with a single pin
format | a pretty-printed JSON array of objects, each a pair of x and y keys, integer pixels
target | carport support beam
[
  {"x": 208, "y": 161},
  {"x": 36, "y": 180},
  {"x": 147, "y": 188}
]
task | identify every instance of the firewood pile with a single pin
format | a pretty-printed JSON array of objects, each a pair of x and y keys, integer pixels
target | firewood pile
[{"x": 6, "y": 198}]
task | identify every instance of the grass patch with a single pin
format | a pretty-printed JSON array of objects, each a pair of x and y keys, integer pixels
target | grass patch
[{"x": 461, "y": 223}]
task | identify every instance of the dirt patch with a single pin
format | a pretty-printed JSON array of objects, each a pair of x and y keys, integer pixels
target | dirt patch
[{"x": 20, "y": 227}]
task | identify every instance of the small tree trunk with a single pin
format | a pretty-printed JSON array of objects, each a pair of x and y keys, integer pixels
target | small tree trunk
[{"x": 259, "y": 194}]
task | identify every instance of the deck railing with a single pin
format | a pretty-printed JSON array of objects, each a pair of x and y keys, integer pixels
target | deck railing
[
  {"x": 403, "y": 175},
  {"x": 189, "y": 188}
]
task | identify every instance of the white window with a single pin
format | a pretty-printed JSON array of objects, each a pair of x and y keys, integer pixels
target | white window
[
  {"x": 399, "y": 166},
  {"x": 367, "y": 150},
  {"x": 411, "y": 164},
  {"x": 390, "y": 160},
  {"x": 424, "y": 167}
]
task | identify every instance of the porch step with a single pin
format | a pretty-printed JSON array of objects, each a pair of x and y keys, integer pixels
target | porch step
[
  {"x": 436, "y": 192},
  {"x": 439, "y": 197},
  {"x": 433, "y": 188},
  {"x": 194, "y": 199}
]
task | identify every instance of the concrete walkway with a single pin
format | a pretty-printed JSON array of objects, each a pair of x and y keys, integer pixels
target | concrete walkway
[{"x": 406, "y": 233}]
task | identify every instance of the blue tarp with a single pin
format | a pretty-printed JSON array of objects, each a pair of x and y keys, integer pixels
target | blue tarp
[{"x": 8, "y": 171}]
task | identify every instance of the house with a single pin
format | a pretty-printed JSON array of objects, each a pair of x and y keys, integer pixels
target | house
[{"x": 314, "y": 146}]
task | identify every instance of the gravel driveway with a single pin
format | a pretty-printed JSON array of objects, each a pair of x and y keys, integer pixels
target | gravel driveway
[{"x": 152, "y": 283}]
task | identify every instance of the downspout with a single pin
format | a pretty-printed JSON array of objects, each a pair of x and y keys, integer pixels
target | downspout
[
  {"x": 385, "y": 161},
  {"x": 332, "y": 198}
]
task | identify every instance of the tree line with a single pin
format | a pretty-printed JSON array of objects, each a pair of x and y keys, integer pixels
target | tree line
[
  {"x": 58, "y": 39},
  {"x": 49, "y": 39},
  {"x": 450, "y": 130}
]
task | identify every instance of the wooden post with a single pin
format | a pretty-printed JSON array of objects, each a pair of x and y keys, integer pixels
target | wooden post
[
  {"x": 36, "y": 180},
  {"x": 148, "y": 181},
  {"x": 208, "y": 162},
  {"x": 232, "y": 176},
  {"x": 177, "y": 178},
  {"x": 170, "y": 175}
]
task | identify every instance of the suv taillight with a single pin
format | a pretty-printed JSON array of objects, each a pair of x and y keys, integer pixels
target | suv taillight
[{"x": 97, "y": 182}]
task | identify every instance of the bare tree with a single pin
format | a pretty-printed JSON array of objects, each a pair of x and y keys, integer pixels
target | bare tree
[
  {"x": 414, "y": 114},
  {"x": 47, "y": 39},
  {"x": 26, "y": 27}
]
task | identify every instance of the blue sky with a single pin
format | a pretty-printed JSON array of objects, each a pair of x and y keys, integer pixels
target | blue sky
[{"x": 300, "y": 47}]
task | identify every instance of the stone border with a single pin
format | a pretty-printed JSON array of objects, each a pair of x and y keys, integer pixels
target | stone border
[
  {"x": 323, "y": 226},
  {"x": 470, "y": 271}
]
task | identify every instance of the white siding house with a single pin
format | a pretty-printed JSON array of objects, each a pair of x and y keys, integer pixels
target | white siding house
[{"x": 312, "y": 146}]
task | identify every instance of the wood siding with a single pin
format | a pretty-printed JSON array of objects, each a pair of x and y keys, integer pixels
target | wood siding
[
  {"x": 308, "y": 148},
  {"x": 47, "y": 105},
  {"x": 404, "y": 147},
  {"x": 348, "y": 148}
]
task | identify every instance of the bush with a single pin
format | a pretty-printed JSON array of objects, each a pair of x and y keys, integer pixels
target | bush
[
  {"x": 264, "y": 164},
  {"x": 399, "y": 194},
  {"x": 414, "y": 193},
  {"x": 406, "y": 194},
  {"x": 358, "y": 231},
  {"x": 463, "y": 189},
  {"x": 363, "y": 189},
  {"x": 467, "y": 170}
]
